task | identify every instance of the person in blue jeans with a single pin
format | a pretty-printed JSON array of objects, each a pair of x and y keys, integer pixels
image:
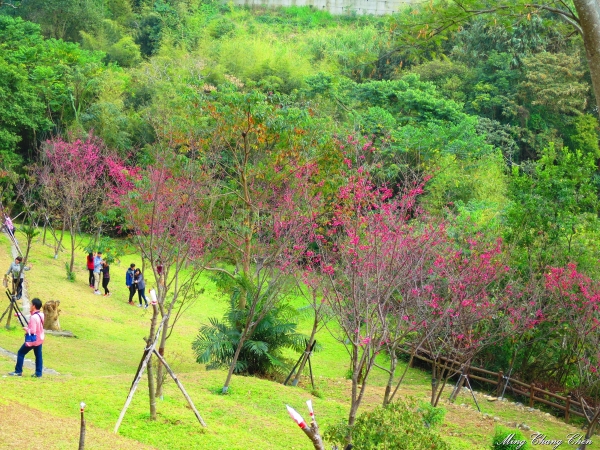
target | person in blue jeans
[
  {"x": 129, "y": 277},
  {"x": 97, "y": 272},
  {"x": 138, "y": 280},
  {"x": 35, "y": 327}
]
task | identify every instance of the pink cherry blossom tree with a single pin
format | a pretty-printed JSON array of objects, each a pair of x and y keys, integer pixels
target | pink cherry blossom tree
[
  {"x": 75, "y": 181},
  {"x": 463, "y": 298},
  {"x": 166, "y": 209},
  {"x": 370, "y": 246},
  {"x": 577, "y": 308}
]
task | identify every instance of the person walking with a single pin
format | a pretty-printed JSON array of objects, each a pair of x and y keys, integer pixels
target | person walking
[
  {"x": 141, "y": 287},
  {"x": 97, "y": 272},
  {"x": 105, "y": 277},
  {"x": 35, "y": 328},
  {"x": 90, "y": 266},
  {"x": 129, "y": 277},
  {"x": 9, "y": 226},
  {"x": 17, "y": 269}
]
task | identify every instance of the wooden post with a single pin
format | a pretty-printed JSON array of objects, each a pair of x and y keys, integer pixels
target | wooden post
[
  {"x": 531, "y": 394},
  {"x": 567, "y": 408},
  {"x": 82, "y": 429},
  {"x": 500, "y": 384}
]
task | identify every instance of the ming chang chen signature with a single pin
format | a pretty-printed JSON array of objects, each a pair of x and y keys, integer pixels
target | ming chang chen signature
[{"x": 540, "y": 439}]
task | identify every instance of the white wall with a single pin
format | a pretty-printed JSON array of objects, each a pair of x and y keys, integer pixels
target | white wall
[{"x": 375, "y": 7}]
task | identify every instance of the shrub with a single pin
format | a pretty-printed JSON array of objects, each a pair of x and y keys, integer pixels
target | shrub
[
  {"x": 400, "y": 426},
  {"x": 507, "y": 439},
  {"x": 432, "y": 416},
  {"x": 70, "y": 275}
]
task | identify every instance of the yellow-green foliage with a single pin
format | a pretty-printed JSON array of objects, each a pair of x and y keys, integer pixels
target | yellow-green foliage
[
  {"x": 479, "y": 180},
  {"x": 264, "y": 60}
]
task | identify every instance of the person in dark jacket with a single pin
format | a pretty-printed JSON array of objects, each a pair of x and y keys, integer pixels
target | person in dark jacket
[
  {"x": 105, "y": 277},
  {"x": 138, "y": 280},
  {"x": 129, "y": 277}
]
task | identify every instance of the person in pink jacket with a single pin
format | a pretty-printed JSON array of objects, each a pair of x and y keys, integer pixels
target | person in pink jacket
[{"x": 36, "y": 327}]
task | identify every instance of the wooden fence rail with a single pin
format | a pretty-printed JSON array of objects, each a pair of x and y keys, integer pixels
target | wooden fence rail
[{"x": 530, "y": 391}]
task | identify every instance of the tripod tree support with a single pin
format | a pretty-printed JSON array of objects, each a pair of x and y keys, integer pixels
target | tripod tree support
[
  {"x": 312, "y": 430},
  {"x": 13, "y": 306},
  {"x": 465, "y": 378},
  {"x": 148, "y": 352},
  {"x": 304, "y": 356},
  {"x": 178, "y": 383}
]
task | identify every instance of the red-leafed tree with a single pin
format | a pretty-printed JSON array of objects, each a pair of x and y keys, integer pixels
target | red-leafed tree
[
  {"x": 75, "y": 182},
  {"x": 577, "y": 308}
]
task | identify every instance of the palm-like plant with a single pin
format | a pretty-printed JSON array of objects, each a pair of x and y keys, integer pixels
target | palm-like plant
[{"x": 262, "y": 353}]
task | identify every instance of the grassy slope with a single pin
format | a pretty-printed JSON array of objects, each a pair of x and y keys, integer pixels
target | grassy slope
[{"x": 98, "y": 366}]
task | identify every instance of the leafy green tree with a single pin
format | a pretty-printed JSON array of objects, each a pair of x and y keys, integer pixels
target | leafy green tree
[
  {"x": 554, "y": 84},
  {"x": 112, "y": 39},
  {"x": 553, "y": 214},
  {"x": 22, "y": 109},
  {"x": 583, "y": 135},
  {"x": 46, "y": 84},
  {"x": 433, "y": 21},
  {"x": 63, "y": 19}
]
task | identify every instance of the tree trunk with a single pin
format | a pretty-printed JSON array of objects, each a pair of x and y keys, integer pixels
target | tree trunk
[
  {"x": 151, "y": 387},
  {"x": 247, "y": 252},
  {"x": 401, "y": 379},
  {"x": 72, "y": 264},
  {"x": 160, "y": 372},
  {"x": 434, "y": 381},
  {"x": 589, "y": 19},
  {"x": 233, "y": 362},
  {"x": 390, "y": 381},
  {"x": 59, "y": 243}
]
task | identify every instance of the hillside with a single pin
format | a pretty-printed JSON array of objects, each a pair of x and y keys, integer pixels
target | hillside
[{"x": 97, "y": 368}]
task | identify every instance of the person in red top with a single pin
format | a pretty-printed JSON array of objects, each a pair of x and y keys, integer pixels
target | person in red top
[
  {"x": 36, "y": 327},
  {"x": 90, "y": 266}
]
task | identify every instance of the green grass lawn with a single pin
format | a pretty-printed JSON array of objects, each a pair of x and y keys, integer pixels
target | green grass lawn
[{"x": 98, "y": 365}]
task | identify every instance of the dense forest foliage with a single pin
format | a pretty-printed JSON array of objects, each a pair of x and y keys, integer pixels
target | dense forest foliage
[{"x": 498, "y": 116}]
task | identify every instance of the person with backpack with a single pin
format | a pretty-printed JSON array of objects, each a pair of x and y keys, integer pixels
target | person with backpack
[{"x": 34, "y": 339}]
